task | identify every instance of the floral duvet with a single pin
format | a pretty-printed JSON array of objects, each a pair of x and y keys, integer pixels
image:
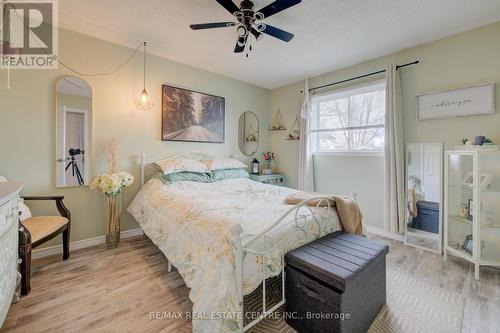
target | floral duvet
[{"x": 196, "y": 225}]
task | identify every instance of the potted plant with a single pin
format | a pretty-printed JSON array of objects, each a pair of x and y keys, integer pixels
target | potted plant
[
  {"x": 112, "y": 184},
  {"x": 268, "y": 157}
]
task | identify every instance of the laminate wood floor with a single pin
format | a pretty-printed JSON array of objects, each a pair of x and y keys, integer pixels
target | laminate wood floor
[{"x": 100, "y": 290}]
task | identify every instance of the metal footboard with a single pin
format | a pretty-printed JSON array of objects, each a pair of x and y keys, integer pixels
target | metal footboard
[{"x": 301, "y": 223}]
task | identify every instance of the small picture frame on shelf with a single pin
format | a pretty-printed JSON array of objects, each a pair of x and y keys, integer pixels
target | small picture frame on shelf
[
  {"x": 486, "y": 179},
  {"x": 471, "y": 209},
  {"x": 468, "y": 180}
]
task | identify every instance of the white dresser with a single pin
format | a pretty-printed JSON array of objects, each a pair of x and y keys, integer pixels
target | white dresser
[{"x": 9, "y": 215}]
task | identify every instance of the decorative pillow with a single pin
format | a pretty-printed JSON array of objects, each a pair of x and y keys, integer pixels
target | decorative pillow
[
  {"x": 224, "y": 163},
  {"x": 180, "y": 165},
  {"x": 229, "y": 173},
  {"x": 185, "y": 176},
  {"x": 24, "y": 210}
]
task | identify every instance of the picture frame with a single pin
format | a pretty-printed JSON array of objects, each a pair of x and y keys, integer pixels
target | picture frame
[
  {"x": 471, "y": 209},
  {"x": 192, "y": 116},
  {"x": 486, "y": 179},
  {"x": 466, "y": 101}
]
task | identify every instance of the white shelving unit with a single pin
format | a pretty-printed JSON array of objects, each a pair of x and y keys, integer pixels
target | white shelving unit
[{"x": 472, "y": 208}]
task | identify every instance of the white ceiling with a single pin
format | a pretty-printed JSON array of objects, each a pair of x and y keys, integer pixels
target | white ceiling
[{"x": 329, "y": 34}]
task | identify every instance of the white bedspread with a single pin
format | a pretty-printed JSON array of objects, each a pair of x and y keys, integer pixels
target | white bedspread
[{"x": 196, "y": 225}]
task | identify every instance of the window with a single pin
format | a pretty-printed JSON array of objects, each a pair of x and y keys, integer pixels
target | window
[{"x": 351, "y": 120}]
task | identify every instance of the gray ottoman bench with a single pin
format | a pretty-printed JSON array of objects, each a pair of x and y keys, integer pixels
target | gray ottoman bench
[{"x": 335, "y": 284}]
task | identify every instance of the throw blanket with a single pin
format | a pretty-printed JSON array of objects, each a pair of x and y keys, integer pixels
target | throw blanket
[{"x": 349, "y": 213}]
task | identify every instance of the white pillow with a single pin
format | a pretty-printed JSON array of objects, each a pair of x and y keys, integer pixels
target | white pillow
[
  {"x": 180, "y": 165},
  {"x": 23, "y": 209},
  {"x": 224, "y": 164}
]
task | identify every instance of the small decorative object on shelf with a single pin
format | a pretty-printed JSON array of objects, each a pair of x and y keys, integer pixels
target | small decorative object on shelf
[
  {"x": 278, "y": 123},
  {"x": 464, "y": 210},
  {"x": 480, "y": 143},
  {"x": 479, "y": 140},
  {"x": 112, "y": 184},
  {"x": 268, "y": 157},
  {"x": 255, "y": 167}
]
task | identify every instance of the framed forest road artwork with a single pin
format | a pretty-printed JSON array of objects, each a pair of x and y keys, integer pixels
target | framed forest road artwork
[{"x": 191, "y": 116}]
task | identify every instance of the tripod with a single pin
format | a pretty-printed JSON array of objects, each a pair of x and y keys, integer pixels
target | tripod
[{"x": 75, "y": 170}]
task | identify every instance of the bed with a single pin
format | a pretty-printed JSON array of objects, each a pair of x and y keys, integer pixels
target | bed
[{"x": 226, "y": 238}]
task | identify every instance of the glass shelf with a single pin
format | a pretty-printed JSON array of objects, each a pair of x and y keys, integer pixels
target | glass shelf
[
  {"x": 459, "y": 218},
  {"x": 491, "y": 190},
  {"x": 460, "y": 187},
  {"x": 489, "y": 226}
]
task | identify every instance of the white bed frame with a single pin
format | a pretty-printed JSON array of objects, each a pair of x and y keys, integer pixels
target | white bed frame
[{"x": 244, "y": 248}]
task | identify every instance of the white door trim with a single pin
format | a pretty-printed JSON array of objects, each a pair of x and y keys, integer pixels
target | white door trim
[{"x": 86, "y": 140}]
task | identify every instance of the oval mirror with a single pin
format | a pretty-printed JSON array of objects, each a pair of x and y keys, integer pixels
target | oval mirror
[
  {"x": 73, "y": 132},
  {"x": 248, "y": 133}
]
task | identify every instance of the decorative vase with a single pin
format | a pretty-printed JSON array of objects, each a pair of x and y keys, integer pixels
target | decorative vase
[
  {"x": 268, "y": 170},
  {"x": 113, "y": 221}
]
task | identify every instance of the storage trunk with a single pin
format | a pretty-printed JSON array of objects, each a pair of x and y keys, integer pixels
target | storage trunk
[
  {"x": 427, "y": 217},
  {"x": 335, "y": 284}
]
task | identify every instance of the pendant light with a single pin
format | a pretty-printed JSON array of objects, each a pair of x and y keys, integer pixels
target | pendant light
[{"x": 143, "y": 103}]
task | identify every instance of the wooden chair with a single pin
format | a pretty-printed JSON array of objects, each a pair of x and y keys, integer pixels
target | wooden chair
[{"x": 37, "y": 230}]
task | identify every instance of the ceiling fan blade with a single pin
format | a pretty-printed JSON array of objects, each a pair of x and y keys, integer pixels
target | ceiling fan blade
[
  {"x": 229, "y": 5},
  {"x": 277, "y": 6},
  {"x": 240, "y": 44},
  {"x": 278, "y": 33},
  {"x": 212, "y": 25}
]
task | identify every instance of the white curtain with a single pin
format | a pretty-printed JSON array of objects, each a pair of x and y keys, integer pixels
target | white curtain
[
  {"x": 306, "y": 168},
  {"x": 394, "y": 154}
]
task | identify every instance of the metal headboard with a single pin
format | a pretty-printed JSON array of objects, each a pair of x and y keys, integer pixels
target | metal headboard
[{"x": 195, "y": 155}]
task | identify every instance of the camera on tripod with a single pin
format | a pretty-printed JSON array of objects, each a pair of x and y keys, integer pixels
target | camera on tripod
[
  {"x": 75, "y": 151},
  {"x": 75, "y": 171}
]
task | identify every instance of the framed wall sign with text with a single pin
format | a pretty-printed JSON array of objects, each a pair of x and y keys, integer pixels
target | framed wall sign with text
[{"x": 468, "y": 101}]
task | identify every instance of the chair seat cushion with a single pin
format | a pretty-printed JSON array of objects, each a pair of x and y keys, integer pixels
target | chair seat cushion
[{"x": 42, "y": 226}]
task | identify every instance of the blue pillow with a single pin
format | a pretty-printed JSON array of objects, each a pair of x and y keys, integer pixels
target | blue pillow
[
  {"x": 229, "y": 173},
  {"x": 185, "y": 176}
]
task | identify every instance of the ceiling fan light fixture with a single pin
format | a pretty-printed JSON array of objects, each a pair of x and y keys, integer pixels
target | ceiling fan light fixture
[
  {"x": 242, "y": 31},
  {"x": 260, "y": 27}
]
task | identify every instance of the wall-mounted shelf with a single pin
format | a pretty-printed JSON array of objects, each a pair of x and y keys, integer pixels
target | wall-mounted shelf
[{"x": 278, "y": 124}]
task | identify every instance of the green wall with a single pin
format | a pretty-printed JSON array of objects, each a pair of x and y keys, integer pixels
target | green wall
[
  {"x": 28, "y": 122},
  {"x": 465, "y": 59}
]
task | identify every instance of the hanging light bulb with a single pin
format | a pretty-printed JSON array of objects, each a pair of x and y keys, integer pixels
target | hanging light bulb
[{"x": 143, "y": 103}]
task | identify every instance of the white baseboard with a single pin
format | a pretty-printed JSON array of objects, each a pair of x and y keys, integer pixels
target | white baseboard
[
  {"x": 81, "y": 244},
  {"x": 383, "y": 233}
]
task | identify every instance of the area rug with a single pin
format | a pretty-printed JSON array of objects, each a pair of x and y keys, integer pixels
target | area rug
[{"x": 412, "y": 306}]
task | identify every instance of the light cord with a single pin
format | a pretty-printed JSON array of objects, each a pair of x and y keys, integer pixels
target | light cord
[
  {"x": 68, "y": 67},
  {"x": 144, "y": 69}
]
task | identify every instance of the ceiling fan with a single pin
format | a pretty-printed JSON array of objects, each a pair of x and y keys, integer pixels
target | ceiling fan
[{"x": 248, "y": 21}]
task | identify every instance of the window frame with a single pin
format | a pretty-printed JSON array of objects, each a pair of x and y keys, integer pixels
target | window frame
[{"x": 338, "y": 94}]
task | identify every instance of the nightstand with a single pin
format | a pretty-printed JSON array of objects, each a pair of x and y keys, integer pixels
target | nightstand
[{"x": 273, "y": 179}]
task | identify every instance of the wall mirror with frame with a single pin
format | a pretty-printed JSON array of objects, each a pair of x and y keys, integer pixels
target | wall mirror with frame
[
  {"x": 73, "y": 132},
  {"x": 248, "y": 133},
  {"x": 424, "y": 177}
]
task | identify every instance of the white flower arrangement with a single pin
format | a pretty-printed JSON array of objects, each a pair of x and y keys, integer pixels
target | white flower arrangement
[{"x": 111, "y": 184}]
